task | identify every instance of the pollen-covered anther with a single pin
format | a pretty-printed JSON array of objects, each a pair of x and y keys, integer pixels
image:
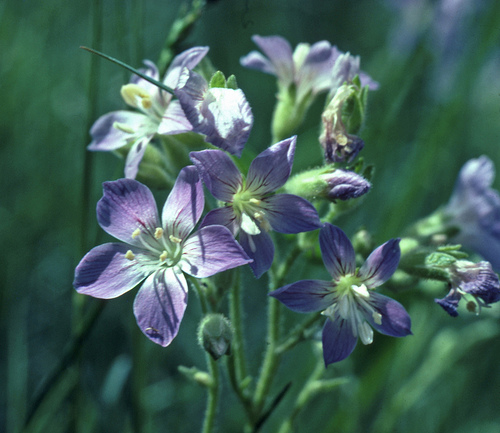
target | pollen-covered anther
[
  {"x": 158, "y": 233},
  {"x": 129, "y": 255},
  {"x": 255, "y": 201},
  {"x": 146, "y": 102},
  {"x": 341, "y": 139},
  {"x": 163, "y": 256},
  {"x": 123, "y": 127},
  {"x": 377, "y": 318},
  {"x": 132, "y": 94},
  {"x": 136, "y": 233},
  {"x": 175, "y": 239},
  {"x": 472, "y": 307}
]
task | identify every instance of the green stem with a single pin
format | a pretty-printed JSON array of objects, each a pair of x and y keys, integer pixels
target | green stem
[
  {"x": 213, "y": 396},
  {"x": 298, "y": 334}
]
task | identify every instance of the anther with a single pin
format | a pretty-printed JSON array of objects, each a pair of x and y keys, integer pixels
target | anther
[
  {"x": 175, "y": 239},
  {"x": 129, "y": 255},
  {"x": 136, "y": 233},
  {"x": 123, "y": 127},
  {"x": 163, "y": 256},
  {"x": 158, "y": 233}
]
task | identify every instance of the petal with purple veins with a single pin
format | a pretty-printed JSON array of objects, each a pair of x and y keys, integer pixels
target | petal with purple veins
[
  {"x": 105, "y": 272},
  {"x": 271, "y": 168},
  {"x": 222, "y": 216},
  {"x": 184, "y": 205},
  {"x": 306, "y": 296},
  {"x": 211, "y": 250},
  {"x": 260, "y": 248},
  {"x": 127, "y": 206},
  {"x": 287, "y": 213},
  {"x": 381, "y": 264},
  {"x": 135, "y": 155},
  {"x": 174, "y": 120},
  {"x": 394, "y": 320},
  {"x": 338, "y": 340},
  {"x": 337, "y": 251},
  {"x": 160, "y": 304}
]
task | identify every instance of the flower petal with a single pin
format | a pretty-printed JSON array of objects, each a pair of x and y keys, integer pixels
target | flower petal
[
  {"x": 381, "y": 264},
  {"x": 174, "y": 120},
  {"x": 187, "y": 59},
  {"x": 271, "y": 168},
  {"x": 118, "y": 128},
  {"x": 255, "y": 60},
  {"x": 224, "y": 216},
  {"x": 279, "y": 52},
  {"x": 289, "y": 213},
  {"x": 105, "y": 272},
  {"x": 218, "y": 172},
  {"x": 184, "y": 205},
  {"x": 395, "y": 320},
  {"x": 338, "y": 340},
  {"x": 134, "y": 157},
  {"x": 127, "y": 205},
  {"x": 211, "y": 250},
  {"x": 337, "y": 251},
  {"x": 260, "y": 248},
  {"x": 160, "y": 304},
  {"x": 306, "y": 296}
]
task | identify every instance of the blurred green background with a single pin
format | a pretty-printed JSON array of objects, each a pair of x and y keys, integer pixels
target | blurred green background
[{"x": 438, "y": 65}]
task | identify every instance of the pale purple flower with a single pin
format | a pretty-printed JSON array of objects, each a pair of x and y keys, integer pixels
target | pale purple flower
[
  {"x": 311, "y": 68},
  {"x": 155, "y": 252},
  {"x": 157, "y": 112},
  {"x": 223, "y": 115},
  {"x": 251, "y": 206},
  {"x": 348, "y": 301},
  {"x": 474, "y": 281},
  {"x": 474, "y": 208}
]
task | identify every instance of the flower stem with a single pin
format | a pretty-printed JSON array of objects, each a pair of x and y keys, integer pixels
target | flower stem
[{"x": 213, "y": 396}]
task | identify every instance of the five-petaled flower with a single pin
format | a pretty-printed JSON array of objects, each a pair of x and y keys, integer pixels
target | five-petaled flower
[
  {"x": 158, "y": 113},
  {"x": 348, "y": 301},
  {"x": 252, "y": 207},
  {"x": 474, "y": 208},
  {"x": 476, "y": 282},
  {"x": 158, "y": 253}
]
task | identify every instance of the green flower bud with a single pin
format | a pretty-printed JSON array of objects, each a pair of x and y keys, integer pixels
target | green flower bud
[{"x": 215, "y": 334}]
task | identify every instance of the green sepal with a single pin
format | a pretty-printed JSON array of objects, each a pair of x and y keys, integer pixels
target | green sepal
[
  {"x": 218, "y": 80},
  {"x": 231, "y": 82}
]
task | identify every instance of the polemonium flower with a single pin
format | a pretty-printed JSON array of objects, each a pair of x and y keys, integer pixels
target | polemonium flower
[
  {"x": 222, "y": 114},
  {"x": 474, "y": 208},
  {"x": 474, "y": 281},
  {"x": 157, "y": 112},
  {"x": 348, "y": 301},
  {"x": 251, "y": 206},
  {"x": 155, "y": 253}
]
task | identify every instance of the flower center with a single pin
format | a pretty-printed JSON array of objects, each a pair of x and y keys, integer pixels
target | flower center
[
  {"x": 137, "y": 97},
  {"x": 250, "y": 211},
  {"x": 168, "y": 250}
]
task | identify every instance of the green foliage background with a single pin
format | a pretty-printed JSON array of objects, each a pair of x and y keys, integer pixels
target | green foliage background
[{"x": 434, "y": 110}]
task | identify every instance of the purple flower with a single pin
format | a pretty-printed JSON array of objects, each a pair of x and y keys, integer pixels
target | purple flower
[
  {"x": 471, "y": 280},
  {"x": 223, "y": 115},
  {"x": 311, "y": 68},
  {"x": 157, "y": 113},
  {"x": 155, "y": 253},
  {"x": 348, "y": 302},
  {"x": 474, "y": 208},
  {"x": 346, "y": 184},
  {"x": 251, "y": 207}
]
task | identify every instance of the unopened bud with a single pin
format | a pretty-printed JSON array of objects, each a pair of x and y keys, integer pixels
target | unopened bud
[{"x": 215, "y": 334}]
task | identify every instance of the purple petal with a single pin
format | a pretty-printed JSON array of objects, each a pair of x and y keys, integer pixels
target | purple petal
[
  {"x": 450, "y": 302},
  {"x": 191, "y": 91},
  {"x": 279, "y": 52},
  {"x": 105, "y": 273},
  {"x": 211, "y": 250},
  {"x": 218, "y": 172},
  {"x": 260, "y": 248},
  {"x": 160, "y": 304},
  {"x": 151, "y": 71},
  {"x": 224, "y": 216},
  {"x": 271, "y": 168},
  {"x": 127, "y": 205},
  {"x": 187, "y": 59},
  {"x": 337, "y": 251},
  {"x": 106, "y": 136},
  {"x": 306, "y": 296},
  {"x": 134, "y": 157},
  {"x": 184, "y": 205},
  {"x": 255, "y": 60},
  {"x": 338, "y": 340},
  {"x": 381, "y": 264},
  {"x": 395, "y": 320},
  {"x": 289, "y": 213},
  {"x": 174, "y": 120}
]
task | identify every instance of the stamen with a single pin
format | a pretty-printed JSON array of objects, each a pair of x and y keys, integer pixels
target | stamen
[
  {"x": 377, "y": 318},
  {"x": 341, "y": 139},
  {"x": 365, "y": 333},
  {"x": 255, "y": 201},
  {"x": 146, "y": 102},
  {"x": 175, "y": 239},
  {"x": 132, "y": 94},
  {"x": 158, "y": 233},
  {"x": 136, "y": 233},
  {"x": 163, "y": 256},
  {"x": 129, "y": 255},
  {"x": 123, "y": 127}
]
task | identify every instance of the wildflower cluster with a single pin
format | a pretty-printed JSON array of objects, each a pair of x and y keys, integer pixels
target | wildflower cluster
[{"x": 208, "y": 120}]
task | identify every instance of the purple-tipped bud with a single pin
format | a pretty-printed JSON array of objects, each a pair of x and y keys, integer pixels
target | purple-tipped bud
[{"x": 346, "y": 184}]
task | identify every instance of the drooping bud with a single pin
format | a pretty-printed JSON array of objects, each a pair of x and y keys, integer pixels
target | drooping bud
[{"x": 215, "y": 334}]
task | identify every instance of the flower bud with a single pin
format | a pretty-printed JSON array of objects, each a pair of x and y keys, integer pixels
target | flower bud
[{"x": 215, "y": 334}]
